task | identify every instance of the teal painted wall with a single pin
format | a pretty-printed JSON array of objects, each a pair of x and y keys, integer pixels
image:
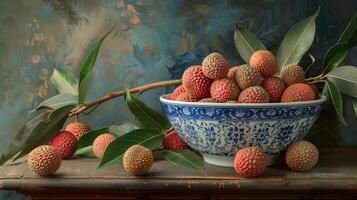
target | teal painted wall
[{"x": 154, "y": 40}]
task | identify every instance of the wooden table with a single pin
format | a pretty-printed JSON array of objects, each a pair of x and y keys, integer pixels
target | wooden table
[{"x": 335, "y": 177}]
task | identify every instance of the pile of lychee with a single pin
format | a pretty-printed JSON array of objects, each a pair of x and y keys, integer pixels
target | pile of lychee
[
  {"x": 301, "y": 156},
  {"x": 257, "y": 82},
  {"x": 137, "y": 160}
]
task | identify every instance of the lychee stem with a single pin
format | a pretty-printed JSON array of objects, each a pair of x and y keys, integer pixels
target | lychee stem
[{"x": 112, "y": 95}]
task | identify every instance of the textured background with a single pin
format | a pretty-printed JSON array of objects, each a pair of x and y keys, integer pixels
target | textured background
[{"x": 154, "y": 40}]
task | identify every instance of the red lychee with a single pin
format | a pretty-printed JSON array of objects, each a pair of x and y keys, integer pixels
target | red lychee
[
  {"x": 215, "y": 66},
  {"x": 177, "y": 91},
  {"x": 250, "y": 162},
  {"x": 196, "y": 83},
  {"x": 66, "y": 143},
  {"x": 78, "y": 129},
  {"x": 275, "y": 88},
  {"x": 172, "y": 141},
  {"x": 101, "y": 143},
  {"x": 224, "y": 89},
  {"x": 298, "y": 92},
  {"x": 255, "y": 94},
  {"x": 265, "y": 62}
]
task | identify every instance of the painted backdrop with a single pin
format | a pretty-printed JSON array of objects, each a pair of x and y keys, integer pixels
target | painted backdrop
[{"x": 154, "y": 40}]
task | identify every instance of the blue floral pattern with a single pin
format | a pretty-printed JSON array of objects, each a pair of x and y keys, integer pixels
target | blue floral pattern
[{"x": 221, "y": 131}]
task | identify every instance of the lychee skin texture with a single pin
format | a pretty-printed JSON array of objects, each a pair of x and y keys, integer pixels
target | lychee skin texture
[
  {"x": 224, "y": 90},
  {"x": 44, "y": 160},
  {"x": 298, "y": 92},
  {"x": 66, "y": 143},
  {"x": 292, "y": 74},
  {"x": 196, "y": 83},
  {"x": 177, "y": 91},
  {"x": 138, "y": 160},
  {"x": 255, "y": 94},
  {"x": 275, "y": 88},
  {"x": 187, "y": 97},
  {"x": 215, "y": 66},
  {"x": 302, "y": 156},
  {"x": 209, "y": 100},
  {"x": 265, "y": 62},
  {"x": 78, "y": 129},
  {"x": 172, "y": 141},
  {"x": 317, "y": 92},
  {"x": 232, "y": 71},
  {"x": 101, "y": 143},
  {"x": 247, "y": 76},
  {"x": 250, "y": 162}
]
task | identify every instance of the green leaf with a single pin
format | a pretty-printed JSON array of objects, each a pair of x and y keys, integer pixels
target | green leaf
[
  {"x": 64, "y": 81},
  {"x": 46, "y": 130},
  {"x": 21, "y": 137},
  {"x": 354, "y": 103},
  {"x": 336, "y": 99},
  {"x": 325, "y": 132},
  {"x": 86, "y": 152},
  {"x": 345, "y": 79},
  {"x": 297, "y": 41},
  {"x": 185, "y": 158},
  {"x": 148, "y": 117},
  {"x": 87, "y": 67},
  {"x": 58, "y": 101},
  {"x": 117, "y": 130},
  {"x": 338, "y": 52},
  {"x": 151, "y": 139},
  {"x": 246, "y": 43}
]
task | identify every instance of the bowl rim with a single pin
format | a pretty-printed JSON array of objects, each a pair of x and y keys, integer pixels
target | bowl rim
[{"x": 164, "y": 99}]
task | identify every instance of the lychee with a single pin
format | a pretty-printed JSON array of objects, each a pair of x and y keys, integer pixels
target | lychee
[
  {"x": 66, "y": 143},
  {"x": 247, "y": 76},
  {"x": 196, "y": 83},
  {"x": 101, "y": 143},
  {"x": 316, "y": 90},
  {"x": 292, "y": 74},
  {"x": 265, "y": 62},
  {"x": 173, "y": 141},
  {"x": 232, "y": 71},
  {"x": 177, "y": 91},
  {"x": 302, "y": 156},
  {"x": 209, "y": 100},
  {"x": 224, "y": 89},
  {"x": 78, "y": 129},
  {"x": 250, "y": 162},
  {"x": 275, "y": 88},
  {"x": 215, "y": 66},
  {"x": 138, "y": 160},
  {"x": 298, "y": 92},
  {"x": 44, "y": 160},
  {"x": 255, "y": 94},
  {"x": 187, "y": 97}
]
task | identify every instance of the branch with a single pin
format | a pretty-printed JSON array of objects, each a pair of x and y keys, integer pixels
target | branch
[{"x": 112, "y": 95}]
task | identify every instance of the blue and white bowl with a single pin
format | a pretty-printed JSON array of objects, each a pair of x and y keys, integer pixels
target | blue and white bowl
[{"x": 218, "y": 130}]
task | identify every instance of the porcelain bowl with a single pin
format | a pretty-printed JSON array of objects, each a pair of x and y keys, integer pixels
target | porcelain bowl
[{"x": 219, "y": 130}]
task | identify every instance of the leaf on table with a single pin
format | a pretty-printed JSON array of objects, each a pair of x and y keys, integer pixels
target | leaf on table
[
  {"x": 297, "y": 41},
  {"x": 148, "y": 117},
  {"x": 246, "y": 43},
  {"x": 336, "y": 99},
  {"x": 46, "y": 130},
  {"x": 117, "y": 130},
  {"x": 151, "y": 139},
  {"x": 64, "y": 81},
  {"x": 345, "y": 79},
  {"x": 37, "y": 131},
  {"x": 184, "y": 158},
  {"x": 338, "y": 52},
  {"x": 58, "y": 101},
  {"x": 20, "y": 138},
  {"x": 85, "y": 152},
  {"x": 87, "y": 67}
]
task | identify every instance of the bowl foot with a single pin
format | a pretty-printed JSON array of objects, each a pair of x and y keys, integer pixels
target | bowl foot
[{"x": 227, "y": 161}]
